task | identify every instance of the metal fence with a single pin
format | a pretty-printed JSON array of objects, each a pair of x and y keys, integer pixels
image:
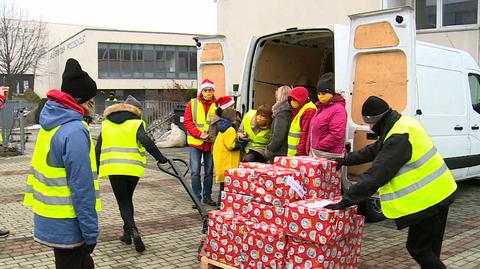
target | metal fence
[{"x": 12, "y": 122}]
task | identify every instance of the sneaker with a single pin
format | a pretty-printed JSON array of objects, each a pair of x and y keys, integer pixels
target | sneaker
[
  {"x": 208, "y": 200},
  {"x": 4, "y": 233},
  {"x": 126, "y": 238}
]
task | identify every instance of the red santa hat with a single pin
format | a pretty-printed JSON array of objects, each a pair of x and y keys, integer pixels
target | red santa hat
[
  {"x": 224, "y": 102},
  {"x": 206, "y": 83}
]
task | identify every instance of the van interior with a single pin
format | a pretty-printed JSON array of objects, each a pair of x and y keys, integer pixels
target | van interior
[{"x": 296, "y": 58}]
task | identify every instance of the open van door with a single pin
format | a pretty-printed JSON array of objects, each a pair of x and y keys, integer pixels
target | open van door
[
  {"x": 381, "y": 62},
  {"x": 213, "y": 63}
]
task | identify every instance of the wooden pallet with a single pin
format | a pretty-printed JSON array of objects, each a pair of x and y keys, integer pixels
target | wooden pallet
[{"x": 206, "y": 263}]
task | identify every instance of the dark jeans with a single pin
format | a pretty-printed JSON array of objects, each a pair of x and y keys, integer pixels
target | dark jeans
[
  {"x": 75, "y": 258},
  {"x": 123, "y": 188},
  {"x": 253, "y": 156},
  {"x": 424, "y": 242},
  {"x": 195, "y": 163}
]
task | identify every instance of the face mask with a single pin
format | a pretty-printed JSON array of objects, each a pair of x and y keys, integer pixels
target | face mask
[
  {"x": 294, "y": 104},
  {"x": 261, "y": 121},
  {"x": 207, "y": 96},
  {"x": 325, "y": 98}
]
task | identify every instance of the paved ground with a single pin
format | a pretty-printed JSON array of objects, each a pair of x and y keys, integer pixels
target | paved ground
[{"x": 171, "y": 229}]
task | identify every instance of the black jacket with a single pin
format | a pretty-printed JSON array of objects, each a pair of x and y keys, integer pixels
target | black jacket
[
  {"x": 280, "y": 125},
  {"x": 120, "y": 113},
  {"x": 387, "y": 158}
]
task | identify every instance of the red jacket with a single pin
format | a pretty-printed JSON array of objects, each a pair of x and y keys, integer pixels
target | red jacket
[
  {"x": 2, "y": 100},
  {"x": 190, "y": 126},
  {"x": 300, "y": 94}
]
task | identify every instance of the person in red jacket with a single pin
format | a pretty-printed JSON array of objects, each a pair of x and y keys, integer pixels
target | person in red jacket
[
  {"x": 196, "y": 121},
  {"x": 3, "y": 98},
  {"x": 305, "y": 110}
]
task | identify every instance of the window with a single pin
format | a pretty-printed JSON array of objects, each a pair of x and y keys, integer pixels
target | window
[
  {"x": 146, "y": 61},
  {"x": 426, "y": 14},
  {"x": 474, "y": 82},
  {"x": 459, "y": 12}
]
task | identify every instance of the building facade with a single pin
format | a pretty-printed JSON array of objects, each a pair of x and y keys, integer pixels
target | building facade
[{"x": 452, "y": 23}]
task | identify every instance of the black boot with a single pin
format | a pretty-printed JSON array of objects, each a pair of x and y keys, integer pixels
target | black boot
[
  {"x": 208, "y": 200},
  {"x": 126, "y": 237},
  {"x": 137, "y": 240}
]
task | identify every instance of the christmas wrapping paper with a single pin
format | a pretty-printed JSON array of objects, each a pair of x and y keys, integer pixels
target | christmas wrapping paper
[
  {"x": 264, "y": 247},
  {"x": 321, "y": 180},
  {"x": 235, "y": 203}
]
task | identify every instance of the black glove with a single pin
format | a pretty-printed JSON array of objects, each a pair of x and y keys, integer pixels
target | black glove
[
  {"x": 240, "y": 144},
  {"x": 162, "y": 160},
  {"x": 89, "y": 248},
  {"x": 339, "y": 162},
  {"x": 340, "y": 205}
]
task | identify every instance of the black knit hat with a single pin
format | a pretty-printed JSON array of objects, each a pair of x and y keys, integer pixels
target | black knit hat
[
  {"x": 77, "y": 82},
  {"x": 373, "y": 109},
  {"x": 326, "y": 83}
]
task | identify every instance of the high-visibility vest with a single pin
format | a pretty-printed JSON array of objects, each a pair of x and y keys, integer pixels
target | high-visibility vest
[
  {"x": 423, "y": 181},
  {"x": 259, "y": 140},
  {"x": 202, "y": 122},
  {"x": 121, "y": 153},
  {"x": 294, "y": 133},
  {"x": 47, "y": 190}
]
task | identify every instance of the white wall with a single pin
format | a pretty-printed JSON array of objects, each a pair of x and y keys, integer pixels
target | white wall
[{"x": 239, "y": 20}]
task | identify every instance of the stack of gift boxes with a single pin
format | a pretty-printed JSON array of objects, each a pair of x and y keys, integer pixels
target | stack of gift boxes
[{"x": 273, "y": 216}]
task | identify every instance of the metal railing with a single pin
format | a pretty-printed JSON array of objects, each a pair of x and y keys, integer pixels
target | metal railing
[{"x": 12, "y": 122}]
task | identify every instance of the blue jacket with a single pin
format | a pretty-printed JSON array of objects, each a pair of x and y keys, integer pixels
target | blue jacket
[{"x": 70, "y": 148}]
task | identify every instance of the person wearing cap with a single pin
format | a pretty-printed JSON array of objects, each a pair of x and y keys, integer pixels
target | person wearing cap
[
  {"x": 416, "y": 186},
  {"x": 302, "y": 112},
  {"x": 62, "y": 186},
  {"x": 326, "y": 135},
  {"x": 281, "y": 115},
  {"x": 222, "y": 103},
  {"x": 226, "y": 149},
  {"x": 197, "y": 118},
  {"x": 256, "y": 129},
  {"x": 120, "y": 152}
]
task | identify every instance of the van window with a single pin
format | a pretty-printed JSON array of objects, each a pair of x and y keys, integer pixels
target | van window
[{"x": 474, "y": 82}]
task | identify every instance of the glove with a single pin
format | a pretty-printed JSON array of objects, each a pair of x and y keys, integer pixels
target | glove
[
  {"x": 240, "y": 144},
  {"x": 339, "y": 162},
  {"x": 89, "y": 248},
  {"x": 340, "y": 205}
]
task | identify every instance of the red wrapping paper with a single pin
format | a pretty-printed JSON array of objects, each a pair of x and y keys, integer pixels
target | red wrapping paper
[
  {"x": 239, "y": 180},
  {"x": 343, "y": 254},
  {"x": 309, "y": 220},
  {"x": 264, "y": 247},
  {"x": 322, "y": 180},
  {"x": 225, "y": 237},
  {"x": 234, "y": 203},
  {"x": 268, "y": 214}
]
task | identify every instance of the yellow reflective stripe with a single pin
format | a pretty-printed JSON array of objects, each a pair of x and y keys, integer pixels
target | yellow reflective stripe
[
  {"x": 415, "y": 186},
  {"x": 116, "y": 160}
]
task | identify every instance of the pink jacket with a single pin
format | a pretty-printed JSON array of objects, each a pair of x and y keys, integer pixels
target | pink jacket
[{"x": 327, "y": 127}]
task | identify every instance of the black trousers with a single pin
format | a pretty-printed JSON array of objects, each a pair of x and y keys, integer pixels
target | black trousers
[
  {"x": 123, "y": 188},
  {"x": 424, "y": 242},
  {"x": 75, "y": 258},
  {"x": 253, "y": 156}
]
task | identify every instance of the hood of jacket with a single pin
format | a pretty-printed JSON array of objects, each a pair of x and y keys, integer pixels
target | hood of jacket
[
  {"x": 119, "y": 113},
  {"x": 280, "y": 107},
  {"x": 224, "y": 124},
  {"x": 59, "y": 109}
]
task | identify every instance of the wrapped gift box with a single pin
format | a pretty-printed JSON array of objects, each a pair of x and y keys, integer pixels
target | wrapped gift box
[
  {"x": 309, "y": 220},
  {"x": 342, "y": 254},
  {"x": 268, "y": 214},
  {"x": 321, "y": 180},
  {"x": 265, "y": 247},
  {"x": 225, "y": 237},
  {"x": 255, "y": 165},
  {"x": 235, "y": 203},
  {"x": 239, "y": 180}
]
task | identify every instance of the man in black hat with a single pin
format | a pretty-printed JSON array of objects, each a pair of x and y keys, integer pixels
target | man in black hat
[
  {"x": 416, "y": 187},
  {"x": 62, "y": 187}
]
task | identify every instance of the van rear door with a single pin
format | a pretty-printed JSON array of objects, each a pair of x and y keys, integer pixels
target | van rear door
[
  {"x": 213, "y": 63},
  {"x": 381, "y": 62}
]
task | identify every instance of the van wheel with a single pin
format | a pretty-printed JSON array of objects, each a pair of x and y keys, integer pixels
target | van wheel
[{"x": 372, "y": 210}]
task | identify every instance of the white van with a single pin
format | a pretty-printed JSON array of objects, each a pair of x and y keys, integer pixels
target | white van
[{"x": 376, "y": 55}]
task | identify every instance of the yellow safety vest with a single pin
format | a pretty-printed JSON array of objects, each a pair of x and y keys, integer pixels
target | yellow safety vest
[
  {"x": 47, "y": 190},
  {"x": 259, "y": 140},
  {"x": 423, "y": 181},
  {"x": 122, "y": 153},
  {"x": 201, "y": 122},
  {"x": 294, "y": 133}
]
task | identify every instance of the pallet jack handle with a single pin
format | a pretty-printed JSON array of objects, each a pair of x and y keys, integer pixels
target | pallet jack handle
[{"x": 173, "y": 170}]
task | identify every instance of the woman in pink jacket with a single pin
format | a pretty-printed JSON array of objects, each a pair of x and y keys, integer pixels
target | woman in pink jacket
[{"x": 326, "y": 135}]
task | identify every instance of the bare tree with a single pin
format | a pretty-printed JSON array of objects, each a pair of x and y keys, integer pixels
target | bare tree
[{"x": 23, "y": 42}]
